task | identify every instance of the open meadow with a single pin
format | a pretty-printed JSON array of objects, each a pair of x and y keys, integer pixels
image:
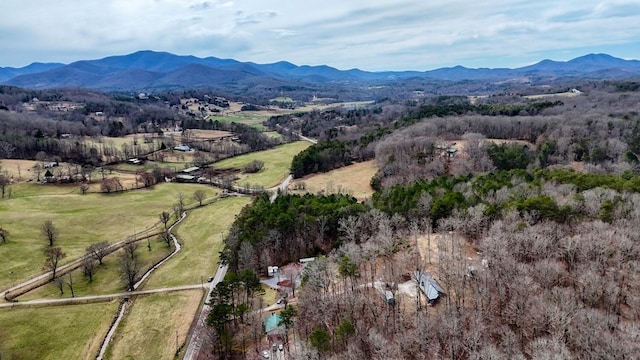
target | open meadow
[
  {"x": 201, "y": 235},
  {"x": 154, "y": 326},
  {"x": 80, "y": 220},
  {"x": 107, "y": 278},
  {"x": 250, "y": 118},
  {"x": 59, "y": 332},
  {"x": 353, "y": 180},
  {"x": 277, "y": 164}
]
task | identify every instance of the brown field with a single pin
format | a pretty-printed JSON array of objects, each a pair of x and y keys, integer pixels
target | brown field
[
  {"x": 353, "y": 179},
  {"x": 209, "y": 134},
  {"x": 19, "y": 170},
  {"x": 154, "y": 324}
]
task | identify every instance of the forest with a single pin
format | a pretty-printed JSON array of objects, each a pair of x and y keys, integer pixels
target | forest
[{"x": 524, "y": 210}]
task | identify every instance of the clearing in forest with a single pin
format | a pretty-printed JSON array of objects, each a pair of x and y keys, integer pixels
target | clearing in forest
[{"x": 353, "y": 179}]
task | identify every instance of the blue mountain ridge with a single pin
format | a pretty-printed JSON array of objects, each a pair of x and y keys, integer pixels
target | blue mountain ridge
[{"x": 150, "y": 69}]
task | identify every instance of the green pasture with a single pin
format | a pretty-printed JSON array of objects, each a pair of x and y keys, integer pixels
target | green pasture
[
  {"x": 107, "y": 278},
  {"x": 201, "y": 235},
  {"x": 277, "y": 163},
  {"x": 58, "y": 332},
  {"x": 80, "y": 219},
  {"x": 273, "y": 134},
  {"x": 150, "y": 329},
  {"x": 252, "y": 120}
]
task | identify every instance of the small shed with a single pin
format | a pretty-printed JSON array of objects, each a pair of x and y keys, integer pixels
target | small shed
[{"x": 429, "y": 286}]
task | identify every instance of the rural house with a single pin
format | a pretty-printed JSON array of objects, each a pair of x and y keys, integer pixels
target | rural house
[{"x": 429, "y": 286}]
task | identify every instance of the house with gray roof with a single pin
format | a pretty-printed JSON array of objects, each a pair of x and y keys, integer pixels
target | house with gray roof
[{"x": 429, "y": 286}]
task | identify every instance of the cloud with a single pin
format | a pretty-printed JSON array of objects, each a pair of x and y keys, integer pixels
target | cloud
[{"x": 380, "y": 35}]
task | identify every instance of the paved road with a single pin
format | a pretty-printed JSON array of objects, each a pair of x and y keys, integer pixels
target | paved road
[
  {"x": 200, "y": 330},
  {"x": 313, "y": 141},
  {"x": 98, "y": 298}
]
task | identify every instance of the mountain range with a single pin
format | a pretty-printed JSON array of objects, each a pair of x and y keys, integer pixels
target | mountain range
[{"x": 145, "y": 70}]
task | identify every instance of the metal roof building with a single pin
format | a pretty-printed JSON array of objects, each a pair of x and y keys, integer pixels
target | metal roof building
[{"x": 429, "y": 286}]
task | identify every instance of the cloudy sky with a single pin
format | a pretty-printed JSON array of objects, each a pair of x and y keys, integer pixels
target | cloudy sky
[{"x": 370, "y": 35}]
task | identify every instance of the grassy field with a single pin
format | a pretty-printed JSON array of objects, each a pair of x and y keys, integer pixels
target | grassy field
[
  {"x": 61, "y": 332},
  {"x": 277, "y": 163},
  {"x": 80, "y": 219},
  {"x": 134, "y": 140},
  {"x": 107, "y": 278},
  {"x": 253, "y": 120},
  {"x": 270, "y": 295},
  {"x": 201, "y": 235},
  {"x": 353, "y": 179},
  {"x": 149, "y": 330}
]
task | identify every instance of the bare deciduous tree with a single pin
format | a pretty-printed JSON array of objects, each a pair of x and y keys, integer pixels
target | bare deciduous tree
[
  {"x": 131, "y": 248},
  {"x": 98, "y": 250},
  {"x": 180, "y": 204},
  {"x": 49, "y": 231},
  {"x": 70, "y": 284},
  {"x": 129, "y": 270},
  {"x": 59, "y": 281},
  {"x": 165, "y": 237},
  {"x": 84, "y": 187},
  {"x": 164, "y": 218},
  {"x": 89, "y": 267},
  {"x": 199, "y": 196},
  {"x": 53, "y": 255},
  {"x": 5, "y": 180},
  {"x": 4, "y": 234}
]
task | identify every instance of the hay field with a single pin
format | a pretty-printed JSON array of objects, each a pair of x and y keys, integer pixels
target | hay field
[
  {"x": 353, "y": 179},
  {"x": 154, "y": 322}
]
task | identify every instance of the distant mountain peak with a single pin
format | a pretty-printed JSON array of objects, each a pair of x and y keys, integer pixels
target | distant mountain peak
[{"x": 164, "y": 69}]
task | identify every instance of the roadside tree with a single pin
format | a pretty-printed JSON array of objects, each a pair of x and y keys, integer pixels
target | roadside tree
[{"x": 98, "y": 250}]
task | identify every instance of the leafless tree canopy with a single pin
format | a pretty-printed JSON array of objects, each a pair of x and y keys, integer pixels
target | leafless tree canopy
[{"x": 50, "y": 232}]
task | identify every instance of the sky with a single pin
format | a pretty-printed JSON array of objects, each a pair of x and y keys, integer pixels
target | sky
[{"x": 372, "y": 35}]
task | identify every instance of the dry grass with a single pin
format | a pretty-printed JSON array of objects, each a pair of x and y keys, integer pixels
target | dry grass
[
  {"x": 353, "y": 179},
  {"x": 19, "y": 170},
  {"x": 428, "y": 248},
  {"x": 150, "y": 329}
]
